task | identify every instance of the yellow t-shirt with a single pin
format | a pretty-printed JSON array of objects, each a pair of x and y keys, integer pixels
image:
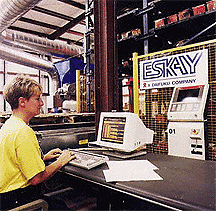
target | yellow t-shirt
[{"x": 20, "y": 157}]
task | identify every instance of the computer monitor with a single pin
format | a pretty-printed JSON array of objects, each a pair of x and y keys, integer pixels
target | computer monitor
[
  {"x": 188, "y": 103},
  {"x": 122, "y": 131}
]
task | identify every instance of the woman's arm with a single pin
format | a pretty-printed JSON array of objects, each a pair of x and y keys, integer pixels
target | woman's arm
[{"x": 51, "y": 169}]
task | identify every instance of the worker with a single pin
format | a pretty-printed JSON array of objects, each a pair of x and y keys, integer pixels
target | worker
[{"x": 22, "y": 167}]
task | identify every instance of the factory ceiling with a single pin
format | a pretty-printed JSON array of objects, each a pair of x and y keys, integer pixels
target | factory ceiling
[
  {"x": 57, "y": 22},
  {"x": 63, "y": 21},
  {"x": 55, "y": 19}
]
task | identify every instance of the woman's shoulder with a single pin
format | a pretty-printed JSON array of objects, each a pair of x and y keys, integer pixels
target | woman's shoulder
[{"x": 15, "y": 124}]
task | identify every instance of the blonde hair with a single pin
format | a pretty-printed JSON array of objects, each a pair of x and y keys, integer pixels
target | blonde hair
[{"x": 21, "y": 86}]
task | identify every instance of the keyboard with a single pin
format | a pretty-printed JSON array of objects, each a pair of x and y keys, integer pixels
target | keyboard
[{"x": 87, "y": 160}]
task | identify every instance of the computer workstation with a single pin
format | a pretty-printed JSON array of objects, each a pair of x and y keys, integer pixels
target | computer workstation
[
  {"x": 120, "y": 134},
  {"x": 184, "y": 186},
  {"x": 124, "y": 133}
]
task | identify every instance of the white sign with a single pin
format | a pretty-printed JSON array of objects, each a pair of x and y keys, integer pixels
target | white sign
[{"x": 184, "y": 69}]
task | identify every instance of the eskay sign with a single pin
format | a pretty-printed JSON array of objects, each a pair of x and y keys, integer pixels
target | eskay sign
[{"x": 184, "y": 69}]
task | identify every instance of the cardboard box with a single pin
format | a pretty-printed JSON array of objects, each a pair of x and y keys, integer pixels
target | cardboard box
[
  {"x": 159, "y": 23},
  {"x": 199, "y": 9},
  {"x": 211, "y": 5},
  {"x": 172, "y": 19},
  {"x": 125, "y": 35},
  {"x": 184, "y": 14},
  {"x": 136, "y": 32}
]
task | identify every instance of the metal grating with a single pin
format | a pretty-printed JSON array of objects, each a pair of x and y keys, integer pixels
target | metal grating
[
  {"x": 154, "y": 103},
  {"x": 83, "y": 95}
]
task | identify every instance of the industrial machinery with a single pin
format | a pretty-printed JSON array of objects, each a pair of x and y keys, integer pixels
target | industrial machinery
[{"x": 187, "y": 122}]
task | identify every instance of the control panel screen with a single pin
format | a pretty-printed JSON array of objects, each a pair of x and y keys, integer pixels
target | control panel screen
[
  {"x": 188, "y": 95},
  {"x": 113, "y": 129}
]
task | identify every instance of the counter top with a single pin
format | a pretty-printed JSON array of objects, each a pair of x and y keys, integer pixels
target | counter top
[{"x": 187, "y": 184}]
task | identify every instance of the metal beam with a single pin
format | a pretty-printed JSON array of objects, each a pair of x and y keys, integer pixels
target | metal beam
[
  {"x": 73, "y": 3},
  {"x": 46, "y": 25},
  {"x": 38, "y": 23},
  {"x": 195, "y": 36},
  {"x": 52, "y": 13},
  {"x": 66, "y": 27},
  {"x": 87, "y": 55},
  {"x": 145, "y": 26}
]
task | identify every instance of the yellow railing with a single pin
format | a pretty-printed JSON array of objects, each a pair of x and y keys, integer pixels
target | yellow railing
[{"x": 78, "y": 99}]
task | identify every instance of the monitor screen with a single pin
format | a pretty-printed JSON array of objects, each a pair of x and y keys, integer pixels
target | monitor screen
[
  {"x": 123, "y": 131},
  {"x": 188, "y": 95},
  {"x": 113, "y": 129}
]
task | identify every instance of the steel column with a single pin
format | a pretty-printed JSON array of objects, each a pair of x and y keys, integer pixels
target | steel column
[
  {"x": 145, "y": 26},
  {"x": 87, "y": 55},
  {"x": 105, "y": 63}
]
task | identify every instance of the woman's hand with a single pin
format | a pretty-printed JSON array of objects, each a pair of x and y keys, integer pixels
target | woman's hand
[
  {"x": 54, "y": 153},
  {"x": 65, "y": 157}
]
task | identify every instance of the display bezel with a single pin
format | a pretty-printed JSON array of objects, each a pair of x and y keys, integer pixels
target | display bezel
[
  {"x": 190, "y": 110},
  {"x": 189, "y": 90}
]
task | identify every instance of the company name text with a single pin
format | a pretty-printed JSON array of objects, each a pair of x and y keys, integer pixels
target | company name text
[{"x": 171, "y": 67}]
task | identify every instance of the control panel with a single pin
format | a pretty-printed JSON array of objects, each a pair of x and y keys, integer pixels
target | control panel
[
  {"x": 188, "y": 103},
  {"x": 186, "y": 128},
  {"x": 186, "y": 139}
]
